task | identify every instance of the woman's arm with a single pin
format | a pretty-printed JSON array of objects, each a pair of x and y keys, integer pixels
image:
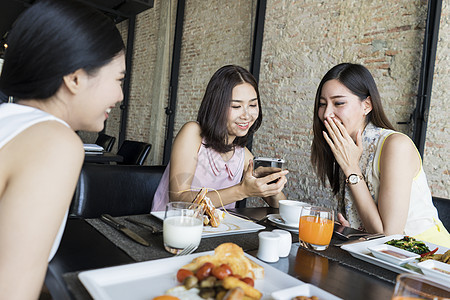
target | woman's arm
[
  {"x": 41, "y": 167},
  {"x": 183, "y": 162},
  {"x": 398, "y": 165},
  {"x": 347, "y": 154}
]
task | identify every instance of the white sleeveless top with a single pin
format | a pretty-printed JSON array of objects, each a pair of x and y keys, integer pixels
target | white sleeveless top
[
  {"x": 422, "y": 215},
  {"x": 14, "y": 119}
]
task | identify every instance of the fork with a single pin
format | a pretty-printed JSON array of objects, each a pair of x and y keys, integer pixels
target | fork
[{"x": 188, "y": 250}]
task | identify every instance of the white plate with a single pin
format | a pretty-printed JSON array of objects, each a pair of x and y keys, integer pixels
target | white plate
[
  {"x": 307, "y": 290},
  {"x": 229, "y": 225},
  {"x": 93, "y": 147},
  {"x": 393, "y": 254},
  {"x": 149, "y": 279},
  {"x": 428, "y": 268},
  {"x": 278, "y": 221},
  {"x": 359, "y": 250}
]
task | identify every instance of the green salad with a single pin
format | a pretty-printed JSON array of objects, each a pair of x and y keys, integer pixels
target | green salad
[{"x": 410, "y": 244}]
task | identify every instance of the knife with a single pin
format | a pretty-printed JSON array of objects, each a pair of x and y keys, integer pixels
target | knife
[
  {"x": 133, "y": 235},
  {"x": 142, "y": 224},
  {"x": 361, "y": 239}
]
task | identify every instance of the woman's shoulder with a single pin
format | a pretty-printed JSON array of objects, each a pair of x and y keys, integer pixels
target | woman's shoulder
[
  {"x": 189, "y": 134},
  {"x": 191, "y": 128},
  {"x": 397, "y": 139},
  {"x": 45, "y": 145},
  {"x": 399, "y": 146},
  {"x": 53, "y": 136}
]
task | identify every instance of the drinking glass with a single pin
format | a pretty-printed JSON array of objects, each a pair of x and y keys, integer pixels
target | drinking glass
[
  {"x": 316, "y": 227},
  {"x": 182, "y": 226},
  {"x": 414, "y": 287}
]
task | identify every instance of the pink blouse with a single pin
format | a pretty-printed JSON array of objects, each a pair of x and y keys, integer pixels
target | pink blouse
[{"x": 211, "y": 172}]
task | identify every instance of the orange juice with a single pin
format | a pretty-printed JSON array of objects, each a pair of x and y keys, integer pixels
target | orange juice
[{"x": 315, "y": 230}]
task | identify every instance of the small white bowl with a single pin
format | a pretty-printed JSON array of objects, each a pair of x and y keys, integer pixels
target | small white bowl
[
  {"x": 436, "y": 269},
  {"x": 393, "y": 254},
  {"x": 307, "y": 290}
]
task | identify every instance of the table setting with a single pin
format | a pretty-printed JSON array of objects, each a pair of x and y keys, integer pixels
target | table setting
[
  {"x": 310, "y": 269},
  {"x": 149, "y": 227}
]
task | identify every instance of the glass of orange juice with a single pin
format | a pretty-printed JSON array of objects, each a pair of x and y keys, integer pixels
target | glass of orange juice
[
  {"x": 410, "y": 286},
  {"x": 316, "y": 227}
]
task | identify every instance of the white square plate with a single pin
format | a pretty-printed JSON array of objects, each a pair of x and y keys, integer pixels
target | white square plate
[
  {"x": 307, "y": 290},
  {"x": 149, "y": 279},
  {"x": 359, "y": 250},
  {"x": 393, "y": 254},
  {"x": 229, "y": 225},
  {"x": 436, "y": 269}
]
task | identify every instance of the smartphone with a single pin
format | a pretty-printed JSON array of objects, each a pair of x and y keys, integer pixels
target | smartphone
[
  {"x": 267, "y": 162},
  {"x": 342, "y": 231},
  {"x": 263, "y": 166}
]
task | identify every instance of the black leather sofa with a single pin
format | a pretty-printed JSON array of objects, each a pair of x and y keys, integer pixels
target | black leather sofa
[
  {"x": 443, "y": 207},
  {"x": 117, "y": 190}
]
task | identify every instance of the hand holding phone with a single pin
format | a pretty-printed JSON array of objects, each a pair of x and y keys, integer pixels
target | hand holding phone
[{"x": 263, "y": 166}]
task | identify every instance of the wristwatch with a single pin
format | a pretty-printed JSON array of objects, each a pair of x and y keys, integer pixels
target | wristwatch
[{"x": 353, "y": 179}]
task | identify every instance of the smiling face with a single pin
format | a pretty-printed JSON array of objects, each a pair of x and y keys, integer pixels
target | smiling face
[
  {"x": 102, "y": 91},
  {"x": 338, "y": 102},
  {"x": 243, "y": 111}
]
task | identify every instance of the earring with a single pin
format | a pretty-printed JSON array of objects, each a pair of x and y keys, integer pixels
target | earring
[{"x": 366, "y": 113}]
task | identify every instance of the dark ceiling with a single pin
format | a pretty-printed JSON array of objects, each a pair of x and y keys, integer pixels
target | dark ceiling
[{"x": 118, "y": 10}]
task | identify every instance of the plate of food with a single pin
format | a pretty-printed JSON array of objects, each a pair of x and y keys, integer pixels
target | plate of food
[
  {"x": 161, "y": 278},
  {"x": 218, "y": 222},
  {"x": 436, "y": 269},
  {"x": 393, "y": 254},
  {"x": 425, "y": 251},
  {"x": 229, "y": 224}
]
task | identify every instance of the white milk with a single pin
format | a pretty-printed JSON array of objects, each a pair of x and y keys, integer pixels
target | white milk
[{"x": 180, "y": 231}]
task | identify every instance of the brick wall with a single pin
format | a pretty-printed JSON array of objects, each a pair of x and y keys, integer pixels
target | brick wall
[
  {"x": 437, "y": 147},
  {"x": 215, "y": 33},
  {"x": 305, "y": 39},
  {"x": 302, "y": 40}
]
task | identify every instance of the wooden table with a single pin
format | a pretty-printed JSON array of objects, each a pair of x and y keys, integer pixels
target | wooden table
[{"x": 83, "y": 247}]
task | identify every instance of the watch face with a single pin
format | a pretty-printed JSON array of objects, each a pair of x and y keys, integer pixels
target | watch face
[{"x": 353, "y": 179}]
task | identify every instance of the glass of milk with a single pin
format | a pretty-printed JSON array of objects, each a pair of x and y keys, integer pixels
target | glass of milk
[{"x": 183, "y": 225}]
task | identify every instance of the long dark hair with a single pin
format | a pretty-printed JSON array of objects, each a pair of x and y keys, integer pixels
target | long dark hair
[
  {"x": 361, "y": 83},
  {"x": 52, "y": 39},
  {"x": 213, "y": 113}
]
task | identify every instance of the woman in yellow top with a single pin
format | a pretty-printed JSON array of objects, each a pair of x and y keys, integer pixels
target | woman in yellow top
[{"x": 375, "y": 172}]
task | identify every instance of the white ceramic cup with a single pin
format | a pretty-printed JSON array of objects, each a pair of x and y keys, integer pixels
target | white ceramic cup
[
  {"x": 290, "y": 211},
  {"x": 268, "y": 246},
  {"x": 285, "y": 242}
]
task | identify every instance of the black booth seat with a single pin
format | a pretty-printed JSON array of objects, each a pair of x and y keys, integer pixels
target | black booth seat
[
  {"x": 443, "y": 207},
  {"x": 117, "y": 190}
]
